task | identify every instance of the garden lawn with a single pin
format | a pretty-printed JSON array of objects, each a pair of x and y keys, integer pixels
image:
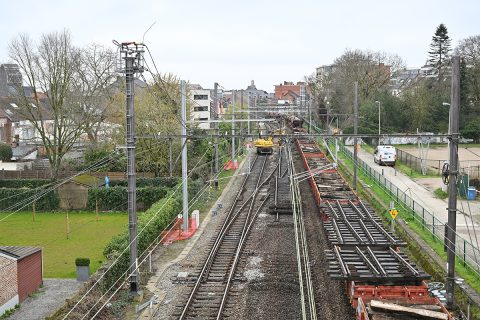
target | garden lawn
[{"x": 87, "y": 237}]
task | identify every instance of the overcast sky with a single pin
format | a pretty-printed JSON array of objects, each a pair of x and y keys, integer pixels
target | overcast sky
[{"x": 235, "y": 42}]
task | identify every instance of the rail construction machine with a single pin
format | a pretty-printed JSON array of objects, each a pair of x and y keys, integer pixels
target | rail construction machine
[{"x": 264, "y": 143}]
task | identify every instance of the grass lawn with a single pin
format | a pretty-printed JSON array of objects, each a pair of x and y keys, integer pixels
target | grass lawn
[{"x": 87, "y": 237}]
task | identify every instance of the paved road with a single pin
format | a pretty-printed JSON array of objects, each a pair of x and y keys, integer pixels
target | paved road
[{"x": 47, "y": 299}]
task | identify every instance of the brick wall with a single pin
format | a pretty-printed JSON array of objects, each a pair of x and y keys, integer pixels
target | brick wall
[{"x": 8, "y": 279}]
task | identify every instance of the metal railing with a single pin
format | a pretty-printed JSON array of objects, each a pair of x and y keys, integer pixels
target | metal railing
[{"x": 464, "y": 249}]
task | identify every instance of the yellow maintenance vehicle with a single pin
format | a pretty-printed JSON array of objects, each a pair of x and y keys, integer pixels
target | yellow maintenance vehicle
[{"x": 264, "y": 145}]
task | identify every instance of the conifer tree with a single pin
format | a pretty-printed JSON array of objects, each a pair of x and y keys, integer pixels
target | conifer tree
[{"x": 439, "y": 50}]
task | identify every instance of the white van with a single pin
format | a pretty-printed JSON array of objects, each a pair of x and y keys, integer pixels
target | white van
[{"x": 386, "y": 155}]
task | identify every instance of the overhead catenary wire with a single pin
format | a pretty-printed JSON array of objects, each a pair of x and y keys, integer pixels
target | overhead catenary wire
[
  {"x": 116, "y": 260},
  {"x": 191, "y": 203}
]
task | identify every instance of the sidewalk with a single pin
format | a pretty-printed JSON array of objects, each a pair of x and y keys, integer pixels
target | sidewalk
[{"x": 425, "y": 198}]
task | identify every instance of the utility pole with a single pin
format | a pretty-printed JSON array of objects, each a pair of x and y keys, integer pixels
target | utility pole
[
  {"x": 183, "y": 93},
  {"x": 132, "y": 53},
  {"x": 215, "y": 143},
  {"x": 355, "y": 131},
  {"x": 233, "y": 129},
  {"x": 452, "y": 178}
]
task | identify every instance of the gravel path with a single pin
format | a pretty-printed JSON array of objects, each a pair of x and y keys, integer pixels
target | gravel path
[{"x": 47, "y": 299}]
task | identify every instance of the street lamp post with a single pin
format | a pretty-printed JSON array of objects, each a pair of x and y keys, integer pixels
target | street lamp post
[{"x": 379, "y": 103}]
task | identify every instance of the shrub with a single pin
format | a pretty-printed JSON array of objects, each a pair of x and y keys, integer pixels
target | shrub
[
  {"x": 5, "y": 152},
  {"x": 14, "y": 199},
  {"x": 82, "y": 262},
  {"x": 161, "y": 218},
  {"x": 166, "y": 182},
  {"x": 440, "y": 194},
  {"x": 161, "y": 213},
  {"x": 24, "y": 183},
  {"x": 115, "y": 198}
]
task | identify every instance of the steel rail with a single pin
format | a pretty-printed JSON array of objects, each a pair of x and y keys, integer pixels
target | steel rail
[
  {"x": 246, "y": 229},
  {"x": 218, "y": 240},
  {"x": 237, "y": 258},
  {"x": 303, "y": 261}
]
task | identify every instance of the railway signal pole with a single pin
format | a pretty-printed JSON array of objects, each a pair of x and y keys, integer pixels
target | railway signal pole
[
  {"x": 132, "y": 53},
  {"x": 452, "y": 181}
]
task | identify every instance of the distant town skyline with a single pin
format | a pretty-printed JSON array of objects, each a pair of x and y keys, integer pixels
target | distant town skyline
[{"x": 266, "y": 41}]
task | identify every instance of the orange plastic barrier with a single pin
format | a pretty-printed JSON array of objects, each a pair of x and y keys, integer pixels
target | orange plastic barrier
[{"x": 176, "y": 233}]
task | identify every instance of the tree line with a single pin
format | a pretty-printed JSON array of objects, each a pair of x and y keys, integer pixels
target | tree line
[
  {"x": 73, "y": 96},
  {"x": 423, "y": 101}
]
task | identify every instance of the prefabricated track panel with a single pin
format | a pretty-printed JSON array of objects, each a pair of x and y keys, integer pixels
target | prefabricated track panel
[
  {"x": 352, "y": 224},
  {"x": 373, "y": 266},
  {"x": 350, "y": 210}
]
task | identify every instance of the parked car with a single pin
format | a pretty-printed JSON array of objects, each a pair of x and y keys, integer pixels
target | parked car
[{"x": 385, "y": 155}]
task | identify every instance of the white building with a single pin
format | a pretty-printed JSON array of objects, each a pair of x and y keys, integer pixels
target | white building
[{"x": 201, "y": 106}]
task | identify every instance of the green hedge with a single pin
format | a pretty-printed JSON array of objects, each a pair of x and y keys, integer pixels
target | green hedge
[
  {"x": 149, "y": 182},
  {"x": 24, "y": 183},
  {"x": 170, "y": 207},
  {"x": 115, "y": 198},
  {"x": 13, "y": 199}
]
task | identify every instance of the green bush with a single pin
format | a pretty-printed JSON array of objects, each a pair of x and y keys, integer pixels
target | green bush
[
  {"x": 82, "y": 262},
  {"x": 149, "y": 182},
  {"x": 23, "y": 183},
  {"x": 161, "y": 213},
  {"x": 16, "y": 198},
  {"x": 115, "y": 198},
  {"x": 5, "y": 152},
  {"x": 161, "y": 218},
  {"x": 440, "y": 194}
]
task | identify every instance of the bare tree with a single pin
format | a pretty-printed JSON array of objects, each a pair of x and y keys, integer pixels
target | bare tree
[
  {"x": 49, "y": 69},
  {"x": 94, "y": 89},
  {"x": 372, "y": 70}
]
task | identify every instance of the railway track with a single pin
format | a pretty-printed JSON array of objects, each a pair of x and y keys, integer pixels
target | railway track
[
  {"x": 209, "y": 294},
  {"x": 307, "y": 294}
]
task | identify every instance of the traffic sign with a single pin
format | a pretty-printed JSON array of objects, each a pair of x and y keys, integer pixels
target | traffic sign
[{"x": 393, "y": 213}]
